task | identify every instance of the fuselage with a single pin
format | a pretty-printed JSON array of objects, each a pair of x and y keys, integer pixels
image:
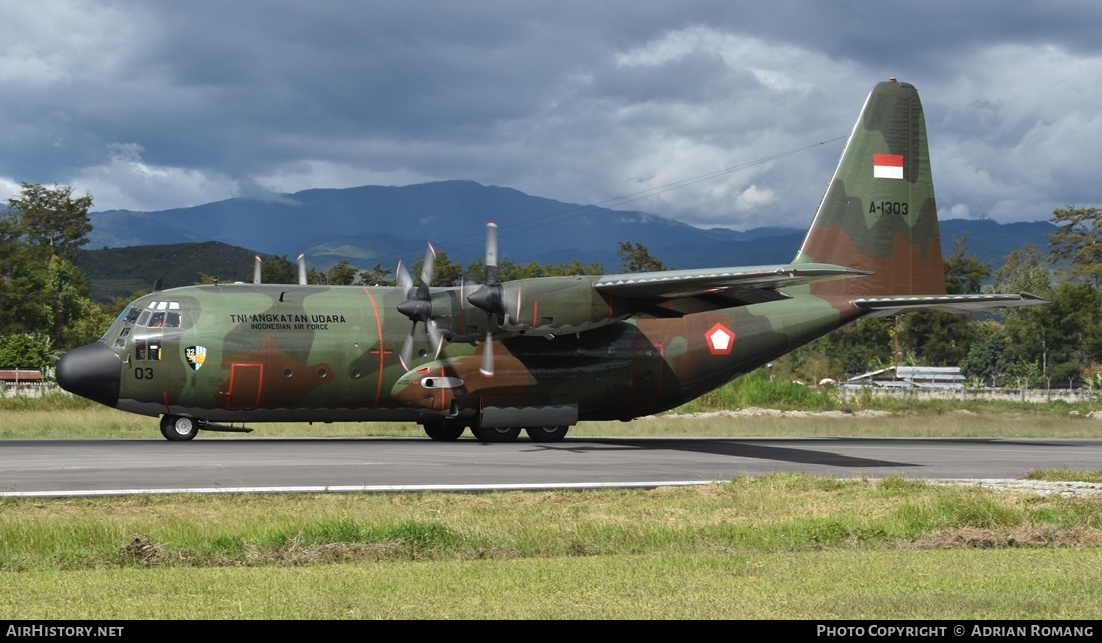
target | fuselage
[{"x": 257, "y": 353}]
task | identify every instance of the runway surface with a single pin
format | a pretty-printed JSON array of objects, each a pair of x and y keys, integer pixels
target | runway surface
[{"x": 104, "y": 467}]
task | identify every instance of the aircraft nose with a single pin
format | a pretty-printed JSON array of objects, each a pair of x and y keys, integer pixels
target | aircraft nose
[{"x": 93, "y": 371}]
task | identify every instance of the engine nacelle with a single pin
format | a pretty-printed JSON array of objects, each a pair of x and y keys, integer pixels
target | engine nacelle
[
  {"x": 546, "y": 306},
  {"x": 551, "y": 306}
]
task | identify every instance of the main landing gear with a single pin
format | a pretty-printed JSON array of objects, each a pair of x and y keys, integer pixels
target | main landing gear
[
  {"x": 496, "y": 434},
  {"x": 546, "y": 433},
  {"x": 443, "y": 431},
  {"x": 450, "y": 432}
]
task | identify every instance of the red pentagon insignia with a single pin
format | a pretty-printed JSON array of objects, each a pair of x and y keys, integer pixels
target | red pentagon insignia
[{"x": 720, "y": 339}]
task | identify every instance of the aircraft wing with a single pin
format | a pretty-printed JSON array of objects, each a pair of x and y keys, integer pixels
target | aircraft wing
[
  {"x": 894, "y": 305},
  {"x": 674, "y": 284}
]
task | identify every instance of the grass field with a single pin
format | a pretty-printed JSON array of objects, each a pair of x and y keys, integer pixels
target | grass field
[
  {"x": 64, "y": 416},
  {"x": 782, "y": 546},
  {"x": 771, "y": 547}
]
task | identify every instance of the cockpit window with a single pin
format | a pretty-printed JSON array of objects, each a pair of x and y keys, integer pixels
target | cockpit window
[
  {"x": 155, "y": 314},
  {"x": 160, "y": 314},
  {"x": 128, "y": 316}
]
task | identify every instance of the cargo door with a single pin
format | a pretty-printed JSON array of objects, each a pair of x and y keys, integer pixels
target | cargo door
[{"x": 245, "y": 386}]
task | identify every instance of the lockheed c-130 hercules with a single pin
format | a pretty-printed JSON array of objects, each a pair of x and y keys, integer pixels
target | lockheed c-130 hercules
[{"x": 535, "y": 354}]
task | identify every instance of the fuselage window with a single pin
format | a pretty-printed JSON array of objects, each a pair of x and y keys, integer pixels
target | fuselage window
[
  {"x": 144, "y": 318},
  {"x": 147, "y": 349},
  {"x": 121, "y": 341}
]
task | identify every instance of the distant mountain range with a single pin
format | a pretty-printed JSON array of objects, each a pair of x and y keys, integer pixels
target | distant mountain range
[{"x": 378, "y": 224}]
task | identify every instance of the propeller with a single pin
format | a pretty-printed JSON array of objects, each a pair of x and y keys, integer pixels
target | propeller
[
  {"x": 301, "y": 269},
  {"x": 256, "y": 270},
  {"x": 417, "y": 306},
  {"x": 490, "y": 298}
]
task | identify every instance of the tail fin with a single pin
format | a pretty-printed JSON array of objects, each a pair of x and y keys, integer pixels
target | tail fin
[{"x": 879, "y": 213}]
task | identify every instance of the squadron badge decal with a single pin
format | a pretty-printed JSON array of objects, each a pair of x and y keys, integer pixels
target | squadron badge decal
[{"x": 195, "y": 356}]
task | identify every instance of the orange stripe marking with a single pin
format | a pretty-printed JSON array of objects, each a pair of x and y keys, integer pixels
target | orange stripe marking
[{"x": 382, "y": 357}]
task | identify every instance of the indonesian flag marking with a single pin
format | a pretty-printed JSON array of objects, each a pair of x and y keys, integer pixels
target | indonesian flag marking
[
  {"x": 720, "y": 340},
  {"x": 887, "y": 166}
]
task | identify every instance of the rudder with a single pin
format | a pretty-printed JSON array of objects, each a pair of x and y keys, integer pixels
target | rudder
[{"x": 879, "y": 212}]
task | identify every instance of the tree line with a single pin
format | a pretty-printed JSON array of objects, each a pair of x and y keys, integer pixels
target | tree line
[
  {"x": 447, "y": 272},
  {"x": 45, "y": 304},
  {"x": 46, "y": 309},
  {"x": 1051, "y": 346}
]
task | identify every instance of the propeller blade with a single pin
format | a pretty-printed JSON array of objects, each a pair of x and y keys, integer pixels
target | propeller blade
[
  {"x": 490, "y": 296},
  {"x": 511, "y": 304},
  {"x": 491, "y": 253},
  {"x": 301, "y": 269},
  {"x": 256, "y": 270},
  {"x": 435, "y": 336},
  {"x": 417, "y": 306},
  {"x": 404, "y": 280},
  {"x": 405, "y": 357},
  {"x": 487, "y": 367},
  {"x": 428, "y": 266}
]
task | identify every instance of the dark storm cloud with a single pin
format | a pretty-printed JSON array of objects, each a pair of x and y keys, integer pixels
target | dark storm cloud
[{"x": 150, "y": 105}]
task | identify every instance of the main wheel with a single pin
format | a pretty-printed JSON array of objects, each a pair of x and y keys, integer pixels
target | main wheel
[
  {"x": 443, "y": 431},
  {"x": 546, "y": 433},
  {"x": 178, "y": 428},
  {"x": 496, "y": 434}
]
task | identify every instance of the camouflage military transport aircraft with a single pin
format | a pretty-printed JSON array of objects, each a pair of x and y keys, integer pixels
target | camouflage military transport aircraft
[{"x": 535, "y": 354}]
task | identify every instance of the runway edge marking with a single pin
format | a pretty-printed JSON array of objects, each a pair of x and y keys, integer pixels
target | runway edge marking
[{"x": 454, "y": 488}]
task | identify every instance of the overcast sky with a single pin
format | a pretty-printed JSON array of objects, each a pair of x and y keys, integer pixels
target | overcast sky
[{"x": 156, "y": 105}]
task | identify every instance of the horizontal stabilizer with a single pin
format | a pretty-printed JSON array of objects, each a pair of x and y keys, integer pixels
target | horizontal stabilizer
[
  {"x": 894, "y": 305},
  {"x": 672, "y": 284}
]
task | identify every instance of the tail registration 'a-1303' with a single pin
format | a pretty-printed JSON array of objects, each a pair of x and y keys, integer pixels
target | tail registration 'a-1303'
[{"x": 541, "y": 354}]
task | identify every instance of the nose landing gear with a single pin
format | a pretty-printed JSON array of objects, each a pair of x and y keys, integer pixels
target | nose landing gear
[{"x": 178, "y": 428}]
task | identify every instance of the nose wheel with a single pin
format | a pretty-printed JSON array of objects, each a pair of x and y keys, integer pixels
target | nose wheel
[{"x": 178, "y": 428}]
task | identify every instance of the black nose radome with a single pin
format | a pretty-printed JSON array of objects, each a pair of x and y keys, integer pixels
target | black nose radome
[{"x": 93, "y": 371}]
